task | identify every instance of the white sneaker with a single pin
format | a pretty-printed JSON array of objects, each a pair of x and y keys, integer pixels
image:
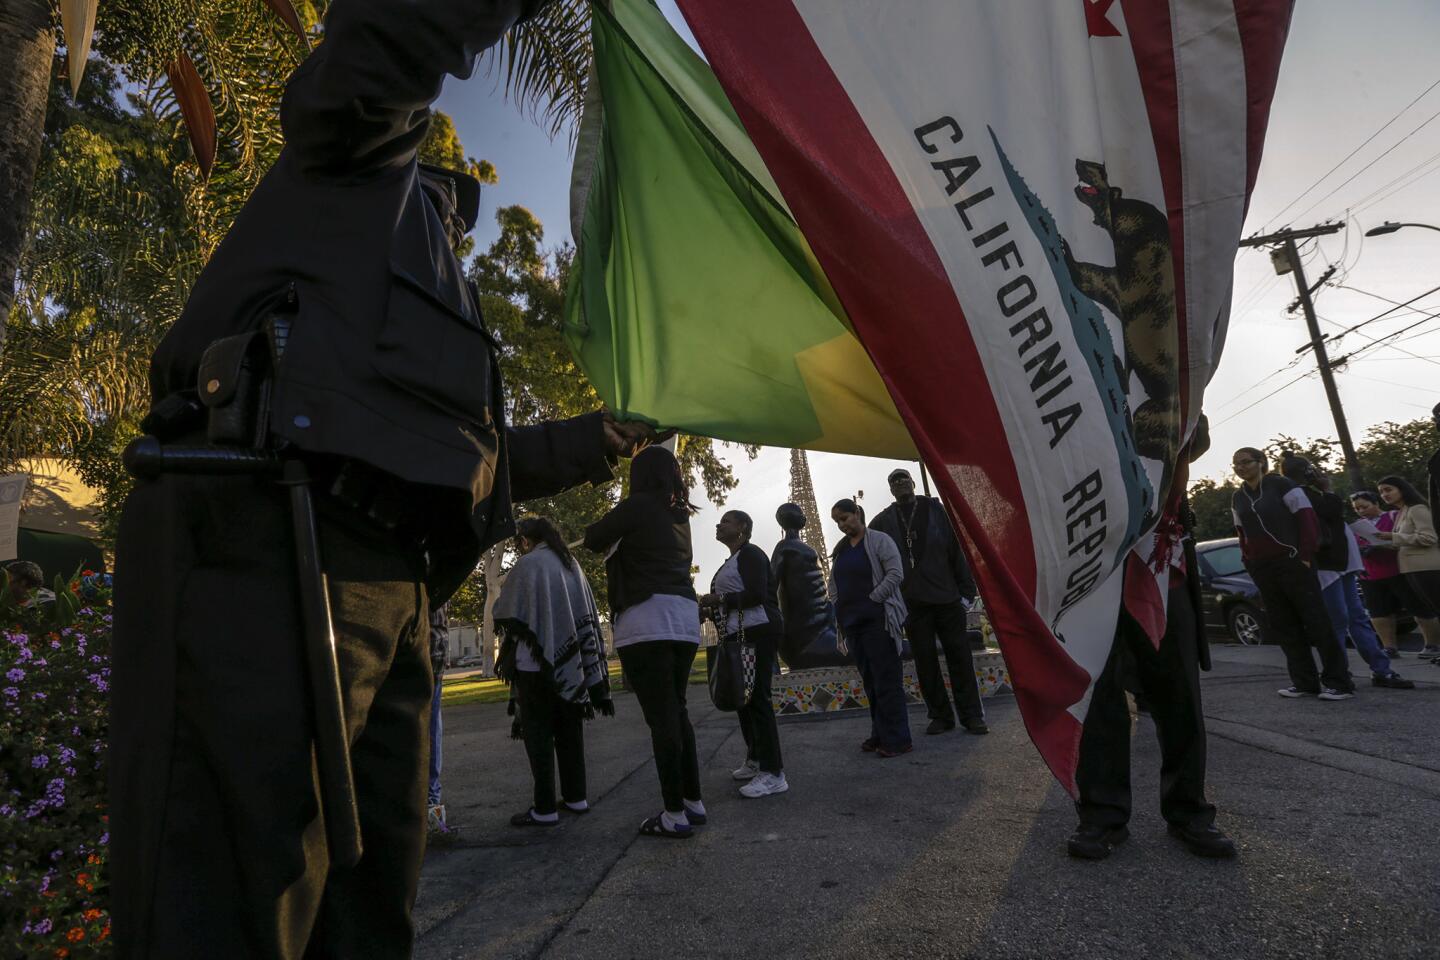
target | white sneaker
[
  {"x": 764, "y": 785},
  {"x": 1331, "y": 694},
  {"x": 746, "y": 770}
]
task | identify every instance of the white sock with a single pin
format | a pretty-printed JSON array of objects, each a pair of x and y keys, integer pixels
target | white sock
[
  {"x": 671, "y": 821},
  {"x": 582, "y": 805},
  {"x": 544, "y": 817},
  {"x": 695, "y": 806}
]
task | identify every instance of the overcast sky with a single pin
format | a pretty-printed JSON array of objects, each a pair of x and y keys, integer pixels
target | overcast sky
[{"x": 1348, "y": 70}]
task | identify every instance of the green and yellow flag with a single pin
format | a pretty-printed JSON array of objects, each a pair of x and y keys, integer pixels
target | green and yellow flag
[{"x": 695, "y": 301}]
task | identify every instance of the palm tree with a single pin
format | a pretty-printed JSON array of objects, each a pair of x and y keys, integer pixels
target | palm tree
[{"x": 25, "y": 33}]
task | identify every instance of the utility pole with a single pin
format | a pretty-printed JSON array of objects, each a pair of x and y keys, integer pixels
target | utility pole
[{"x": 1288, "y": 255}]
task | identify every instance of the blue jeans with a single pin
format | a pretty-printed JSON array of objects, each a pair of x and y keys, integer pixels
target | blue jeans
[
  {"x": 1348, "y": 615},
  {"x": 434, "y": 797}
]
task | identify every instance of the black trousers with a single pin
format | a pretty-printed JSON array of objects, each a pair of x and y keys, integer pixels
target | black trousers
[
  {"x": 1296, "y": 615},
  {"x": 218, "y": 848},
  {"x": 883, "y": 675},
  {"x": 554, "y": 731},
  {"x": 659, "y": 673},
  {"x": 757, "y": 718},
  {"x": 945, "y": 623},
  {"x": 1169, "y": 680}
]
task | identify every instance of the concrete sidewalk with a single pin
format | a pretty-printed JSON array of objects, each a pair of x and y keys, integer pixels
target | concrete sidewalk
[{"x": 958, "y": 849}]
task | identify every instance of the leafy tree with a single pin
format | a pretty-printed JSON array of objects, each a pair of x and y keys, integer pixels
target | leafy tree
[
  {"x": 1388, "y": 448},
  {"x": 522, "y": 293},
  {"x": 1403, "y": 449},
  {"x": 1211, "y": 503}
]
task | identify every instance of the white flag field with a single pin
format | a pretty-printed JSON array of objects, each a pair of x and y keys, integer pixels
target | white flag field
[{"x": 1028, "y": 214}]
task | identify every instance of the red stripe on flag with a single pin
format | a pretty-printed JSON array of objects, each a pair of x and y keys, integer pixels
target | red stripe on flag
[
  {"x": 1154, "y": 47},
  {"x": 880, "y": 261},
  {"x": 1264, "y": 25}
]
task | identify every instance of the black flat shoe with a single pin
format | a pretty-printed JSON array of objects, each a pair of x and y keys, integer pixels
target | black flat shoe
[
  {"x": 1092, "y": 842},
  {"x": 976, "y": 727},
  {"x": 940, "y": 726},
  {"x": 1203, "y": 841},
  {"x": 527, "y": 819}
]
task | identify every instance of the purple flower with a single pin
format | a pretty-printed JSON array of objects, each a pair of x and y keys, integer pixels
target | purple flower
[
  {"x": 39, "y": 760},
  {"x": 39, "y": 696},
  {"x": 54, "y": 644},
  {"x": 6, "y": 810},
  {"x": 105, "y": 838},
  {"x": 15, "y": 674},
  {"x": 10, "y": 692}
]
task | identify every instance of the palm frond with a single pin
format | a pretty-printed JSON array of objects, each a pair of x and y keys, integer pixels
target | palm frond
[{"x": 546, "y": 63}]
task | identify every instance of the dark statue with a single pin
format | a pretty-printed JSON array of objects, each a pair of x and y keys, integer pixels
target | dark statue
[{"x": 810, "y": 638}]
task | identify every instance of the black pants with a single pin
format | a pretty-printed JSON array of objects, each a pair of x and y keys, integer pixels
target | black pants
[
  {"x": 757, "y": 718},
  {"x": 1296, "y": 615},
  {"x": 945, "y": 622},
  {"x": 659, "y": 673},
  {"x": 218, "y": 849},
  {"x": 1169, "y": 681},
  {"x": 884, "y": 678},
  {"x": 554, "y": 731}
]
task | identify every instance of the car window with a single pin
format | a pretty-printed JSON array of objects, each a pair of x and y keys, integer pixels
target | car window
[{"x": 1224, "y": 561}]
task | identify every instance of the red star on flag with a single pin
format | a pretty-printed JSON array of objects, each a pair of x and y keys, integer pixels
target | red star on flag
[{"x": 1096, "y": 21}]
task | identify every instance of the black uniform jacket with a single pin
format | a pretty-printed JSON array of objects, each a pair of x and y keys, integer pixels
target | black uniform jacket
[
  {"x": 938, "y": 572},
  {"x": 388, "y": 361}
]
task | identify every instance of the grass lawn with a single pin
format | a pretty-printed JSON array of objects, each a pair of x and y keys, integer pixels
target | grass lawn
[{"x": 488, "y": 690}]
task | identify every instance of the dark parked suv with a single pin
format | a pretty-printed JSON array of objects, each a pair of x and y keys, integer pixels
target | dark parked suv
[{"x": 1229, "y": 598}]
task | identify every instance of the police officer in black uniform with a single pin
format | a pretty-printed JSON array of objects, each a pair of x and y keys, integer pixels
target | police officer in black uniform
[
  {"x": 337, "y": 299},
  {"x": 1168, "y": 679}
]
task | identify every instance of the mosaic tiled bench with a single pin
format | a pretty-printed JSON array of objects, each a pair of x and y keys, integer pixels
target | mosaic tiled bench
[{"x": 832, "y": 689}]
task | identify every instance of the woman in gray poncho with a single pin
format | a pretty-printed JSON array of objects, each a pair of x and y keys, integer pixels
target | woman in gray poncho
[{"x": 553, "y": 657}]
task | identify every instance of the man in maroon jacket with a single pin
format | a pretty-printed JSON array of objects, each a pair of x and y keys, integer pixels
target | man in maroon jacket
[{"x": 1279, "y": 534}]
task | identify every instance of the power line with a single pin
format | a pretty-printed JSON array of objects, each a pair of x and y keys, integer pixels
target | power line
[
  {"x": 1352, "y": 153},
  {"x": 1382, "y": 315},
  {"x": 1367, "y": 166},
  {"x": 1390, "y": 346},
  {"x": 1284, "y": 386},
  {"x": 1360, "y": 204},
  {"x": 1380, "y": 342}
]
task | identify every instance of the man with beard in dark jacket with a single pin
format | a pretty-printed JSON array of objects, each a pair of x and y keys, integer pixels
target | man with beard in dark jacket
[
  {"x": 336, "y": 297},
  {"x": 938, "y": 589}
]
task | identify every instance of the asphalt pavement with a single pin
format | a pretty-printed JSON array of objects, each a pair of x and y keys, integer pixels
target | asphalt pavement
[{"x": 958, "y": 849}]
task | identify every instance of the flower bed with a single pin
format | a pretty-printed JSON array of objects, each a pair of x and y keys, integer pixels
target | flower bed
[{"x": 53, "y": 834}]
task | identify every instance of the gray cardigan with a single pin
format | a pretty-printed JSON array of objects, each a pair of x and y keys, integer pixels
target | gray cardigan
[{"x": 887, "y": 573}]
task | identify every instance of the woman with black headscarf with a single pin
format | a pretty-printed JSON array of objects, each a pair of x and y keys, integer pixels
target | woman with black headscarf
[{"x": 656, "y": 623}]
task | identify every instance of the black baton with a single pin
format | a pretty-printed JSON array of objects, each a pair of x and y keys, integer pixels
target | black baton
[
  {"x": 146, "y": 457},
  {"x": 332, "y": 744}
]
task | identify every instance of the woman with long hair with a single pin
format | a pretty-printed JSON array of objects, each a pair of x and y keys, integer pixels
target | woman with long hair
[
  {"x": 865, "y": 578},
  {"x": 656, "y": 621},
  {"x": 554, "y": 658},
  {"x": 1414, "y": 535},
  {"x": 743, "y": 603},
  {"x": 1387, "y": 592}
]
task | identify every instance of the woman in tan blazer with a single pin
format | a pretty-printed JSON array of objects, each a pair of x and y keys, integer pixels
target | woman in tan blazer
[{"x": 1418, "y": 545}]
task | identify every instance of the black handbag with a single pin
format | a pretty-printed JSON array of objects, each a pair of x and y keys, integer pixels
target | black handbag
[{"x": 730, "y": 669}]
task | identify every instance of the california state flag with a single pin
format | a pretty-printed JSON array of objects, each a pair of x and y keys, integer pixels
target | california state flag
[{"x": 1026, "y": 212}]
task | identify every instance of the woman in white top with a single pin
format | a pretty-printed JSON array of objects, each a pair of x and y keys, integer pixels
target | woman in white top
[
  {"x": 646, "y": 542},
  {"x": 743, "y": 603}
]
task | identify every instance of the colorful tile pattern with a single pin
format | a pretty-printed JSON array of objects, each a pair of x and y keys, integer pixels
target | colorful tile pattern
[{"x": 831, "y": 689}]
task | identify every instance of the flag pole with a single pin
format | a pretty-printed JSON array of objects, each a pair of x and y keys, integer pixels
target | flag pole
[{"x": 924, "y": 479}]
